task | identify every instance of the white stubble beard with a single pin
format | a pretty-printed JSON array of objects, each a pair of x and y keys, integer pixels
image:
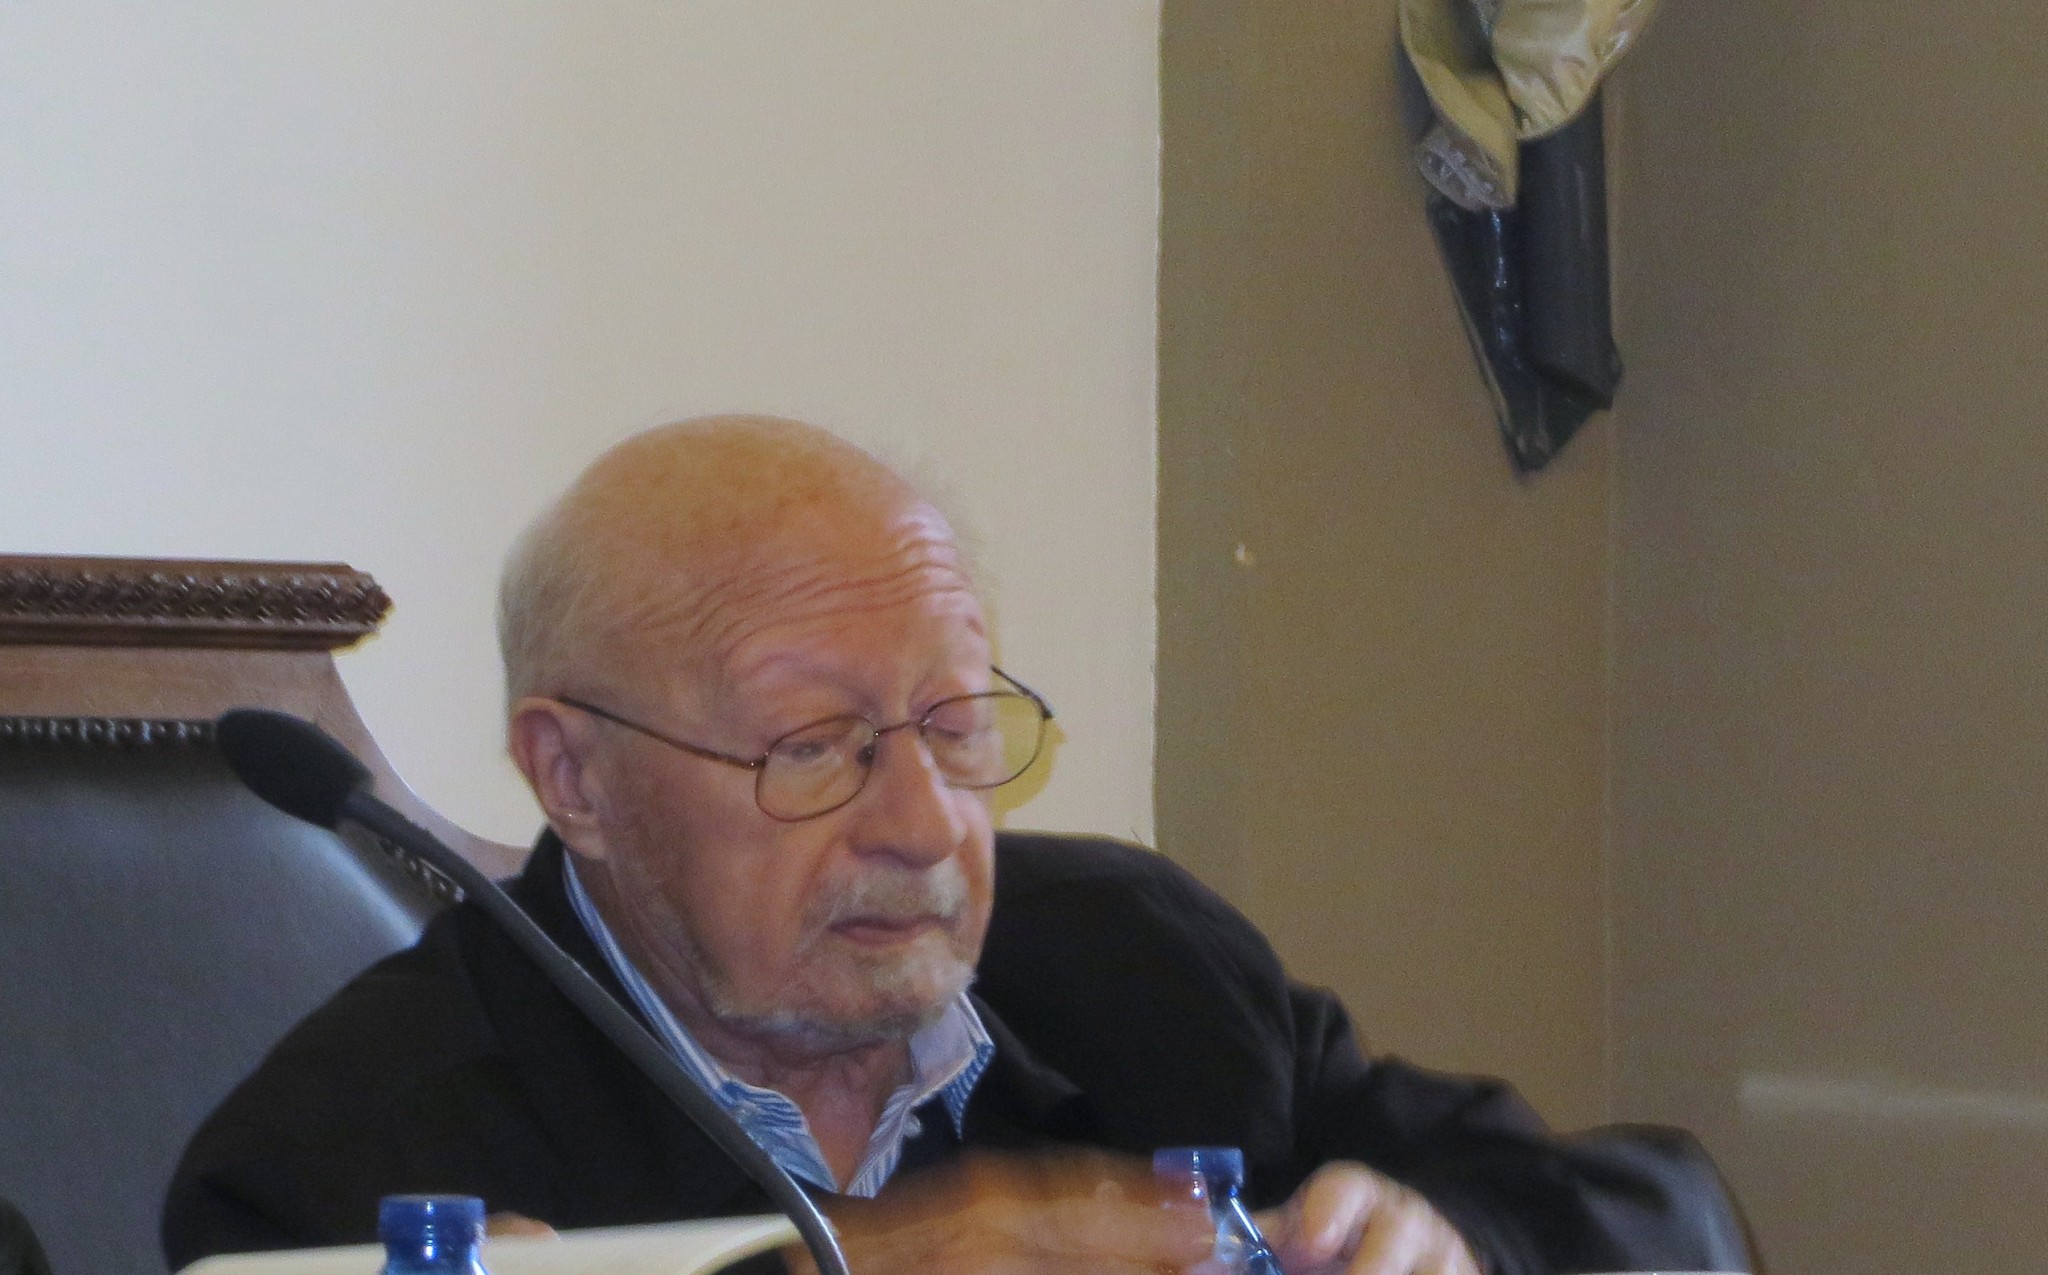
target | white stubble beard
[{"x": 912, "y": 989}]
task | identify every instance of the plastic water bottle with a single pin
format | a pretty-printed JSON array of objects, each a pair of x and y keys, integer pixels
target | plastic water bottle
[
  {"x": 1214, "y": 1176},
  {"x": 431, "y": 1234}
]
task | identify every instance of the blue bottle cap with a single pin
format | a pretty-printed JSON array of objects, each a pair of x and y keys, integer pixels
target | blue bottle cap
[
  {"x": 432, "y": 1219},
  {"x": 1217, "y": 1166}
]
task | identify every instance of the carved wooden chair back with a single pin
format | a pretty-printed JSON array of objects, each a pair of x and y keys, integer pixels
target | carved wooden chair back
[{"x": 160, "y": 928}]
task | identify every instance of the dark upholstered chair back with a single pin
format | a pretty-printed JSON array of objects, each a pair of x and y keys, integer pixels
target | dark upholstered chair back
[{"x": 160, "y": 927}]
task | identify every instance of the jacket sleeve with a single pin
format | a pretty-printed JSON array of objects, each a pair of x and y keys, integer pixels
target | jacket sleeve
[
  {"x": 20, "y": 1253},
  {"x": 1529, "y": 1202},
  {"x": 1167, "y": 1006}
]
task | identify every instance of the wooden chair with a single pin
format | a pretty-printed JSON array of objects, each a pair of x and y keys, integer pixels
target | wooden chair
[{"x": 160, "y": 928}]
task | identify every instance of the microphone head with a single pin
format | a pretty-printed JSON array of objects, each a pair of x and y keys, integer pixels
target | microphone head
[{"x": 289, "y": 762}]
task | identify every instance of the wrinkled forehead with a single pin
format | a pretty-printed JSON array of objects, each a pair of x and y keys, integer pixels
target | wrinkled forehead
[{"x": 835, "y": 574}]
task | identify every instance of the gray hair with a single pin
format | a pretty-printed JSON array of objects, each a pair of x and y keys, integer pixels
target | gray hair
[{"x": 548, "y": 603}]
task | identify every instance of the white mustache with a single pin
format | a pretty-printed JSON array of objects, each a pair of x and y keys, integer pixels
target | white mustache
[{"x": 893, "y": 895}]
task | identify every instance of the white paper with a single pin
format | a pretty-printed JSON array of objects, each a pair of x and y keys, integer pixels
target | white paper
[{"x": 670, "y": 1248}]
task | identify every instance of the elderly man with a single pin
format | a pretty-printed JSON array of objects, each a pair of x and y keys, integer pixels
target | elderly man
[{"x": 753, "y": 689}]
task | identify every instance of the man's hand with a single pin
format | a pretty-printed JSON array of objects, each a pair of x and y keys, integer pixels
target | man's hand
[
  {"x": 1086, "y": 1213},
  {"x": 1348, "y": 1219},
  {"x": 517, "y": 1226}
]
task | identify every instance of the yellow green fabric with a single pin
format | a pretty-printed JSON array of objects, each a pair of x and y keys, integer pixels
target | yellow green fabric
[{"x": 1502, "y": 72}]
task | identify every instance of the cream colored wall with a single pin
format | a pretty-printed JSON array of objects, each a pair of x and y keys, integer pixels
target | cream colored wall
[
  {"x": 1381, "y": 655},
  {"x": 368, "y": 281},
  {"x": 1832, "y": 621}
]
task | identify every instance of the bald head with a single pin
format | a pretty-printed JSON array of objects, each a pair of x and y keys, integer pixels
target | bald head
[
  {"x": 670, "y": 537},
  {"x": 748, "y": 591}
]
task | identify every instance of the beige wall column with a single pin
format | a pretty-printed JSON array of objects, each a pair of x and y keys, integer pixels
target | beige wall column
[
  {"x": 1832, "y": 621},
  {"x": 1381, "y": 656}
]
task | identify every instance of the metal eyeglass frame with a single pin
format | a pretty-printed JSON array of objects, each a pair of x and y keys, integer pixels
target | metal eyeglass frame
[{"x": 759, "y": 765}]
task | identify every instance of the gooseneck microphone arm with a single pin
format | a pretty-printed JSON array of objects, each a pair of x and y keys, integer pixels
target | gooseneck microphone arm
[{"x": 303, "y": 771}]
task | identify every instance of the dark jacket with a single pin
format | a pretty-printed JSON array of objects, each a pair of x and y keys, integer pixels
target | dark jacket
[
  {"x": 1131, "y": 1009},
  {"x": 20, "y": 1254}
]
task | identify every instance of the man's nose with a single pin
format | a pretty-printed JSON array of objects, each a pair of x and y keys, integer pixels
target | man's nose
[{"x": 906, "y": 808}]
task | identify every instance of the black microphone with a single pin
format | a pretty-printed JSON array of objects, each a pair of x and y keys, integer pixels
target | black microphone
[{"x": 305, "y": 772}]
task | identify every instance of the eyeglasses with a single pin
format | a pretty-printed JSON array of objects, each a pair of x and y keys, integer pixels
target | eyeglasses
[{"x": 977, "y": 741}]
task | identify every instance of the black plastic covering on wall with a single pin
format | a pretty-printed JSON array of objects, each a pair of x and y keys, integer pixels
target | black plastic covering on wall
[{"x": 1532, "y": 287}]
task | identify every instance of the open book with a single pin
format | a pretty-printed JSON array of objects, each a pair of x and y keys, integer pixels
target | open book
[{"x": 670, "y": 1248}]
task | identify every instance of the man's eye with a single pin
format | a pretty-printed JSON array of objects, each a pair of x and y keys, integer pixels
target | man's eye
[
  {"x": 959, "y": 719},
  {"x": 955, "y": 733},
  {"x": 825, "y": 744},
  {"x": 960, "y": 731},
  {"x": 803, "y": 752}
]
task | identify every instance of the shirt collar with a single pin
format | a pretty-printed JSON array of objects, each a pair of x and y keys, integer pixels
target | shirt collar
[{"x": 948, "y": 1058}]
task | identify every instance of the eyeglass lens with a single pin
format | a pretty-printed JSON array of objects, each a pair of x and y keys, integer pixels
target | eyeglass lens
[{"x": 976, "y": 741}]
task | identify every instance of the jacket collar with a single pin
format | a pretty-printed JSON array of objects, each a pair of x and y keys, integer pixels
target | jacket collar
[
  {"x": 1021, "y": 1101},
  {"x": 561, "y": 1050}
]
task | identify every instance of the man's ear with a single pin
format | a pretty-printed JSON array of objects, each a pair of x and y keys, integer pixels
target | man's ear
[{"x": 551, "y": 743}]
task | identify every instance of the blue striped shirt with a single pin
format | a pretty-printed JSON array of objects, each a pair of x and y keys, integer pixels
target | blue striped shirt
[{"x": 947, "y": 1058}]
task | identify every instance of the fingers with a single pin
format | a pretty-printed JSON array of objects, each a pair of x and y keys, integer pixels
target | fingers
[
  {"x": 1348, "y": 1218},
  {"x": 1397, "y": 1239},
  {"x": 1333, "y": 1209},
  {"x": 1459, "y": 1260},
  {"x": 499, "y": 1226},
  {"x": 1407, "y": 1236}
]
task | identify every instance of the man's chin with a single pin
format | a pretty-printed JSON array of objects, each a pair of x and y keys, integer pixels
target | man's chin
[
  {"x": 817, "y": 1035},
  {"x": 887, "y": 1005}
]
